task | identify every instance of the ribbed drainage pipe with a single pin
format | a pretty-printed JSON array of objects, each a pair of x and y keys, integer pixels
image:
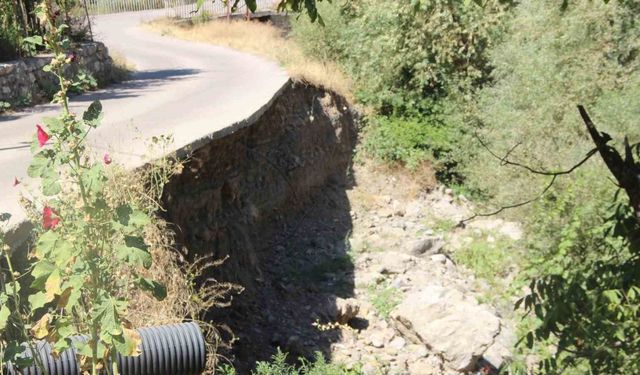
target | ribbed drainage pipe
[{"x": 176, "y": 349}]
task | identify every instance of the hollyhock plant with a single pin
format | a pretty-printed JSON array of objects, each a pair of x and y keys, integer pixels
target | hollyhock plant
[
  {"x": 43, "y": 137},
  {"x": 48, "y": 221},
  {"x": 78, "y": 266}
]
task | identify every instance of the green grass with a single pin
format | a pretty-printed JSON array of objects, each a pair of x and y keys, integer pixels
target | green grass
[{"x": 384, "y": 298}]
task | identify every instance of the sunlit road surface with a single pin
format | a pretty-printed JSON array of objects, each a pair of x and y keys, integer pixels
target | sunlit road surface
[{"x": 189, "y": 90}]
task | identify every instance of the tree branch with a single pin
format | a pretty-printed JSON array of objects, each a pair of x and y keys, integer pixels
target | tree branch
[{"x": 505, "y": 161}]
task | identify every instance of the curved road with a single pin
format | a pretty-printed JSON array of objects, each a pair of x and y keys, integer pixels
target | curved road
[{"x": 189, "y": 90}]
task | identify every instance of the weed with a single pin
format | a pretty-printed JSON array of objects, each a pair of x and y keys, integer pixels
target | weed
[
  {"x": 384, "y": 298},
  {"x": 4, "y": 106},
  {"x": 278, "y": 365},
  {"x": 121, "y": 68},
  {"x": 443, "y": 226}
]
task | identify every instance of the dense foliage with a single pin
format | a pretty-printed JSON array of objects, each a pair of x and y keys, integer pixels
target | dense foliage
[
  {"x": 582, "y": 248},
  {"x": 468, "y": 86},
  {"x": 415, "y": 63},
  {"x": 21, "y": 31}
]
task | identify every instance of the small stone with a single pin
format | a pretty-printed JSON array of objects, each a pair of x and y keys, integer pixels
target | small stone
[
  {"x": 370, "y": 368},
  {"x": 397, "y": 343},
  {"x": 417, "y": 351},
  {"x": 425, "y": 366},
  {"x": 377, "y": 340},
  {"x": 346, "y": 309},
  {"x": 439, "y": 258},
  {"x": 426, "y": 246}
]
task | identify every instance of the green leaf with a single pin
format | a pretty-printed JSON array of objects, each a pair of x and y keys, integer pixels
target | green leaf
[
  {"x": 107, "y": 313},
  {"x": 251, "y": 4},
  {"x": 131, "y": 218},
  {"x": 63, "y": 253},
  {"x": 94, "y": 178},
  {"x": 37, "y": 300},
  {"x": 46, "y": 244},
  {"x": 50, "y": 182},
  {"x": 12, "y": 351},
  {"x": 93, "y": 114},
  {"x": 128, "y": 343},
  {"x": 53, "y": 123},
  {"x": 134, "y": 251},
  {"x": 5, "y": 313},
  {"x": 35, "y": 40},
  {"x": 158, "y": 290},
  {"x": 39, "y": 165}
]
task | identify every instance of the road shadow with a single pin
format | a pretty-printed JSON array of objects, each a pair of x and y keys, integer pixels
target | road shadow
[
  {"x": 305, "y": 267},
  {"x": 135, "y": 86}
]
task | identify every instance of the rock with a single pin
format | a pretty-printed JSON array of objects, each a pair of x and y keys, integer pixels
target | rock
[
  {"x": 393, "y": 263},
  {"x": 426, "y": 246},
  {"x": 416, "y": 351},
  {"x": 424, "y": 366},
  {"x": 413, "y": 209},
  {"x": 506, "y": 228},
  {"x": 397, "y": 343},
  {"x": 500, "y": 352},
  {"x": 346, "y": 309},
  {"x": 447, "y": 322},
  {"x": 439, "y": 258},
  {"x": 371, "y": 368},
  {"x": 376, "y": 339},
  {"x": 385, "y": 213}
]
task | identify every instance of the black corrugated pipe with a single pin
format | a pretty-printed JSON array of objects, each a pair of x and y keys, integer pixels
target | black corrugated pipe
[{"x": 175, "y": 349}]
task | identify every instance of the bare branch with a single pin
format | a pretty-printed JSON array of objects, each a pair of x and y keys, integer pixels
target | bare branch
[
  {"x": 553, "y": 174},
  {"x": 505, "y": 161}
]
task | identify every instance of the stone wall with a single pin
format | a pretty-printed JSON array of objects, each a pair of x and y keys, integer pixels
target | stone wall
[
  {"x": 234, "y": 190},
  {"x": 23, "y": 82}
]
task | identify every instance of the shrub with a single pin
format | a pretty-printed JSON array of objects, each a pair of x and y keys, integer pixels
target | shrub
[
  {"x": 550, "y": 61},
  {"x": 416, "y": 63}
]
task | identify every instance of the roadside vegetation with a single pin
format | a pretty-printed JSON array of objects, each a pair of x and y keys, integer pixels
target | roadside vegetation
[
  {"x": 485, "y": 98},
  {"x": 467, "y": 88}
]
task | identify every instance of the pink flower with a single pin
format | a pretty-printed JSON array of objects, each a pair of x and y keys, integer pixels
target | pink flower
[
  {"x": 107, "y": 159},
  {"x": 71, "y": 57},
  {"x": 16, "y": 182},
  {"x": 48, "y": 221},
  {"x": 43, "y": 137}
]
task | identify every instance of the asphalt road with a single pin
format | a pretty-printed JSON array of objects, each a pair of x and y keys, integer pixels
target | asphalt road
[{"x": 189, "y": 90}]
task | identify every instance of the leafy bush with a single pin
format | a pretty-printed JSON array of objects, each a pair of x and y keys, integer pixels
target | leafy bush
[
  {"x": 580, "y": 253},
  {"x": 550, "y": 61},
  {"x": 416, "y": 63}
]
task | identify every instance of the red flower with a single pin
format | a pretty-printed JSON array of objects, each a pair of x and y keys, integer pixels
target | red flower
[
  {"x": 107, "y": 159},
  {"x": 43, "y": 137},
  {"x": 48, "y": 221},
  {"x": 71, "y": 57},
  {"x": 16, "y": 182}
]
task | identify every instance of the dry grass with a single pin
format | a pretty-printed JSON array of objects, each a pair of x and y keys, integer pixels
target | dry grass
[
  {"x": 191, "y": 292},
  {"x": 122, "y": 68},
  {"x": 265, "y": 40}
]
